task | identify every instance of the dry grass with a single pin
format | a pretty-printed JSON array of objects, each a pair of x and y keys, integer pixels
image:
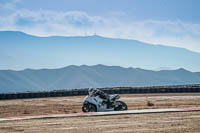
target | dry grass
[
  {"x": 182, "y": 122},
  {"x": 60, "y": 105},
  {"x": 186, "y": 122}
]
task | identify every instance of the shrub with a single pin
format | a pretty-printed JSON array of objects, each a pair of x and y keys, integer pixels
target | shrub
[
  {"x": 26, "y": 111},
  {"x": 149, "y": 103}
]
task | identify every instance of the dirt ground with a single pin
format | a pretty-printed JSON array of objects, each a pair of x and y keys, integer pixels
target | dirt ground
[
  {"x": 60, "y": 105},
  {"x": 182, "y": 122},
  {"x": 179, "y": 122}
]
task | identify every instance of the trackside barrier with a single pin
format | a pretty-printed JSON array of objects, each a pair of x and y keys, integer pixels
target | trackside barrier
[{"x": 191, "y": 88}]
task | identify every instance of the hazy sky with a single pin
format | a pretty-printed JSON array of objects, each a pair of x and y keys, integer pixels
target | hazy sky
[{"x": 168, "y": 22}]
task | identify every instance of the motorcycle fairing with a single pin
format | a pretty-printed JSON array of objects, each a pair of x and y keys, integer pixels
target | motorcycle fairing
[{"x": 98, "y": 102}]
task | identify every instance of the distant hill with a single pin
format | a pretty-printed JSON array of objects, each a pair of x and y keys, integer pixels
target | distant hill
[
  {"x": 19, "y": 51},
  {"x": 90, "y": 76},
  {"x": 198, "y": 73}
]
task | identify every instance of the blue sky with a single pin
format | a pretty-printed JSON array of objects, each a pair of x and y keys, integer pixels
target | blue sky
[{"x": 167, "y": 22}]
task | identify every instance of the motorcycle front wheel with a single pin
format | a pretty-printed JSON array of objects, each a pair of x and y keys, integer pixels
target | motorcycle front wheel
[
  {"x": 120, "y": 106},
  {"x": 89, "y": 108}
]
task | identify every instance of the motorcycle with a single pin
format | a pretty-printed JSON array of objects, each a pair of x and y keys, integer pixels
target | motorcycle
[{"x": 97, "y": 104}]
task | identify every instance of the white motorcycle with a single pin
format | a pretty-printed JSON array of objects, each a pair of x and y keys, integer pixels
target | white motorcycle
[{"x": 97, "y": 104}]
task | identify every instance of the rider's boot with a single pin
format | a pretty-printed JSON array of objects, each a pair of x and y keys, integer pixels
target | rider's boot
[{"x": 109, "y": 104}]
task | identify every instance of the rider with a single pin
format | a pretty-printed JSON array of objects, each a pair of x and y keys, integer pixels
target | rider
[{"x": 101, "y": 94}]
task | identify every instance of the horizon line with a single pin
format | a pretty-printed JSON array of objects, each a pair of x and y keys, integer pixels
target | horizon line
[{"x": 129, "y": 67}]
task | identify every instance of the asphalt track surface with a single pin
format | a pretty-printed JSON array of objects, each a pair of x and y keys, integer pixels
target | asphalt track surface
[{"x": 144, "y": 111}]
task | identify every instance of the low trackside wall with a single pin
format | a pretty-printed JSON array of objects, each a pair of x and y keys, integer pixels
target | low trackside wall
[{"x": 195, "y": 88}]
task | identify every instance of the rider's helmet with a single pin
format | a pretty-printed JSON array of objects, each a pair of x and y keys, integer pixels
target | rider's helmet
[{"x": 91, "y": 91}]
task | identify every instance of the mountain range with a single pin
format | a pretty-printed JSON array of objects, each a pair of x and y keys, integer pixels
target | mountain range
[
  {"x": 122, "y": 59},
  {"x": 19, "y": 51},
  {"x": 75, "y": 77}
]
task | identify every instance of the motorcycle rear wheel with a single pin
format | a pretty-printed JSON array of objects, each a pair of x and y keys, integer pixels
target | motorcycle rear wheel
[{"x": 120, "y": 106}]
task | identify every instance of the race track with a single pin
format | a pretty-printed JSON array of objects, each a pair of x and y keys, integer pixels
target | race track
[{"x": 144, "y": 111}]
